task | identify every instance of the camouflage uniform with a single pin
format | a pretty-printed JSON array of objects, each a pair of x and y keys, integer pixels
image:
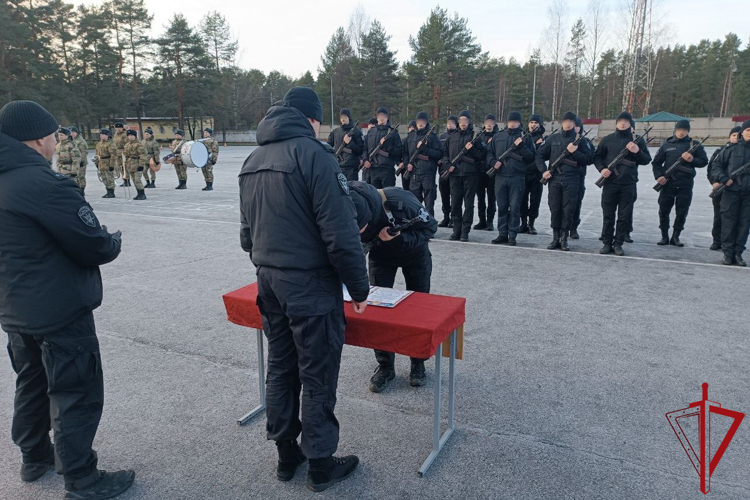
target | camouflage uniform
[
  {"x": 152, "y": 150},
  {"x": 213, "y": 149},
  {"x": 106, "y": 151},
  {"x": 179, "y": 167},
  {"x": 83, "y": 147},
  {"x": 68, "y": 158},
  {"x": 120, "y": 140},
  {"x": 136, "y": 160}
]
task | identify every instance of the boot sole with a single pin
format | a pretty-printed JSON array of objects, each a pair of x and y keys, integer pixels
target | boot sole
[
  {"x": 317, "y": 488},
  {"x": 92, "y": 495}
]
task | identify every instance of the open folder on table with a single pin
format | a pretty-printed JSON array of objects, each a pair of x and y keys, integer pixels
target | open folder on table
[{"x": 381, "y": 297}]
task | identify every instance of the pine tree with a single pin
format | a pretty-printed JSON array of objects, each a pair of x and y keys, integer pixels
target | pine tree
[
  {"x": 336, "y": 62},
  {"x": 375, "y": 74}
]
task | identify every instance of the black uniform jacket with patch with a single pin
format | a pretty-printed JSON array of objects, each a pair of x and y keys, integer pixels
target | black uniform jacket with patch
[
  {"x": 294, "y": 203},
  {"x": 51, "y": 245}
]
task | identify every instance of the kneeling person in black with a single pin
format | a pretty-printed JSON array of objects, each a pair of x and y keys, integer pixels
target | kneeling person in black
[{"x": 377, "y": 210}]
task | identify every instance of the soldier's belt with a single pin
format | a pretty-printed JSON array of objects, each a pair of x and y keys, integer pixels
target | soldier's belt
[
  {"x": 627, "y": 163},
  {"x": 382, "y": 153},
  {"x": 467, "y": 160},
  {"x": 347, "y": 150},
  {"x": 516, "y": 156},
  {"x": 66, "y": 162},
  {"x": 133, "y": 157},
  {"x": 570, "y": 162},
  {"x": 423, "y": 157},
  {"x": 685, "y": 169}
]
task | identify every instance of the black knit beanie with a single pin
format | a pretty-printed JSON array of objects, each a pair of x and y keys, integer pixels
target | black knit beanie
[
  {"x": 26, "y": 121},
  {"x": 683, "y": 124},
  {"x": 306, "y": 100}
]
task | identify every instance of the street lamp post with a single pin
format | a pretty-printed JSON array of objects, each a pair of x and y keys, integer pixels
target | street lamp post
[{"x": 331, "y": 75}]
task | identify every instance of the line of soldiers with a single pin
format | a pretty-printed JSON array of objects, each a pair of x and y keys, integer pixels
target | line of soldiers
[{"x": 506, "y": 170}]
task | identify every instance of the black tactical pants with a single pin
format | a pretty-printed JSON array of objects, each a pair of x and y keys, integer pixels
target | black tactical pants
[
  {"x": 417, "y": 272},
  {"x": 463, "y": 190},
  {"x": 509, "y": 191},
  {"x": 486, "y": 204},
  {"x": 678, "y": 197},
  {"x": 423, "y": 187},
  {"x": 716, "y": 228},
  {"x": 303, "y": 320},
  {"x": 563, "y": 199},
  {"x": 351, "y": 173},
  {"x": 532, "y": 195},
  {"x": 581, "y": 192},
  {"x": 617, "y": 199},
  {"x": 735, "y": 220},
  {"x": 445, "y": 197},
  {"x": 59, "y": 385},
  {"x": 382, "y": 177}
]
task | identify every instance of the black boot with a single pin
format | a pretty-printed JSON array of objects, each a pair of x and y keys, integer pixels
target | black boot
[
  {"x": 564, "y": 242},
  {"x": 617, "y": 248},
  {"x": 716, "y": 245},
  {"x": 444, "y": 222},
  {"x": 454, "y": 236},
  {"x": 182, "y": 185},
  {"x": 383, "y": 375},
  {"x": 664, "y": 237},
  {"x": 532, "y": 229},
  {"x": 31, "y": 471},
  {"x": 464, "y": 237},
  {"x": 141, "y": 195},
  {"x": 325, "y": 472},
  {"x": 417, "y": 376},
  {"x": 501, "y": 238},
  {"x": 511, "y": 241},
  {"x": 482, "y": 225},
  {"x": 627, "y": 238},
  {"x": 574, "y": 233},
  {"x": 676, "y": 239},
  {"x": 490, "y": 218},
  {"x": 606, "y": 249},
  {"x": 450, "y": 223},
  {"x": 100, "y": 485},
  {"x": 728, "y": 259},
  {"x": 524, "y": 225},
  {"x": 209, "y": 187},
  {"x": 739, "y": 260},
  {"x": 290, "y": 457},
  {"x": 110, "y": 194},
  {"x": 555, "y": 243}
]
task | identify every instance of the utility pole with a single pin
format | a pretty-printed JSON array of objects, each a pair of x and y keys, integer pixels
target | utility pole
[
  {"x": 331, "y": 101},
  {"x": 533, "y": 92}
]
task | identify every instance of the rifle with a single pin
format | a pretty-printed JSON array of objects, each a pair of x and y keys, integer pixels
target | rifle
[
  {"x": 492, "y": 171},
  {"x": 744, "y": 169},
  {"x": 668, "y": 172},
  {"x": 350, "y": 134},
  {"x": 404, "y": 171},
  {"x": 544, "y": 139},
  {"x": 555, "y": 165},
  {"x": 380, "y": 145},
  {"x": 613, "y": 164},
  {"x": 396, "y": 228},
  {"x": 447, "y": 174}
]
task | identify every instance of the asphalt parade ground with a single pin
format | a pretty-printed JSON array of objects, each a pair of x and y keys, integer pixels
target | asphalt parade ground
[{"x": 571, "y": 361}]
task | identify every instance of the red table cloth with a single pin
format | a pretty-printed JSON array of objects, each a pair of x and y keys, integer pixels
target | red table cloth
[{"x": 415, "y": 327}]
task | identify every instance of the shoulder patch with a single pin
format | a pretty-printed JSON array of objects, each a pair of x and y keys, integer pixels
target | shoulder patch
[
  {"x": 342, "y": 183},
  {"x": 424, "y": 215},
  {"x": 87, "y": 216}
]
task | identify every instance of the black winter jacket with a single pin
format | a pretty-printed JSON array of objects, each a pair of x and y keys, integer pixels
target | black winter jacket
[
  {"x": 670, "y": 152},
  {"x": 730, "y": 159},
  {"x": 453, "y": 145},
  {"x": 294, "y": 203},
  {"x": 390, "y": 153},
  {"x": 51, "y": 245},
  {"x": 572, "y": 164},
  {"x": 427, "y": 160},
  {"x": 351, "y": 153},
  {"x": 611, "y": 146},
  {"x": 515, "y": 163}
]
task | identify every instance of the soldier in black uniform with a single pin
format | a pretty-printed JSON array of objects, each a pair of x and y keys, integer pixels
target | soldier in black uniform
[
  {"x": 444, "y": 185},
  {"x": 735, "y": 200},
  {"x": 421, "y": 174},
  {"x": 50, "y": 251},
  {"x": 564, "y": 182},
  {"x": 406, "y": 181},
  {"x": 618, "y": 191},
  {"x": 371, "y": 124},
  {"x": 734, "y": 138},
  {"x": 533, "y": 187},
  {"x": 463, "y": 177},
  {"x": 302, "y": 251},
  {"x": 582, "y": 185},
  {"x": 377, "y": 210},
  {"x": 486, "y": 203},
  {"x": 353, "y": 145},
  {"x": 511, "y": 175},
  {"x": 381, "y": 167},
  {"x": 677, "y": 189}
]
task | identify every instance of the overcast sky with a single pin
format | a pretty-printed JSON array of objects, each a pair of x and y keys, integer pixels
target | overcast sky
[{"x": 290, "y": 35}]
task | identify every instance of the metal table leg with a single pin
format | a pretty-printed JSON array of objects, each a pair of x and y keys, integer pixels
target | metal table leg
[
  {"x": 261, "y": 383},
  {"x": 437, "y": 441}
]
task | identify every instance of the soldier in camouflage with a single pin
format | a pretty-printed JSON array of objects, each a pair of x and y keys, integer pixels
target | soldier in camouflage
[
  {"x": 120, "y": 140},
  {"x": 83, "y": 147},
  {"x": 152, "y": 150},
  {"x": 179, "y": 167},
  {"x": 213, "y": 150},
  {"x": 68, "y": 155},
  {"x": 106, "y": 162},
  {"x": 136, "y": 160}
]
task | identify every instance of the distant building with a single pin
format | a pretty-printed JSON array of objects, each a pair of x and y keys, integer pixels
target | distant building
[{"x": 164, "y": 127}]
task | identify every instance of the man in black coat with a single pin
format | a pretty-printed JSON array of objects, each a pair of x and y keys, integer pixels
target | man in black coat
[
  {"x": 734, "y": 138},
  {"x": 735, "y": 199},
  {"x": 349, "y": 141},
  {"x": 511, "y": 176},
  {"x": 564, "y": 180},
  {"x": 380, "y": 165},
  {"x": 377, "y": 211},
  {"x": 618, "y": 191},
  {"x": 421, "y": 174},
  {"x": 299, "y": 227},
  {"x": 486, "y": 203},
  {"x": 677, "y": 190},
  {"x": 533, "y": 188},
  {"x": 51, "y": 247},
  {"x": 444, "y": 185},
  {"x": 405, "y": 180},
  {"x": 463, "y": 176}
]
